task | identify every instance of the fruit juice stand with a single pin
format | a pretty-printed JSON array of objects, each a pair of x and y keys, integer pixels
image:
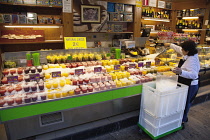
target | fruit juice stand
[{"x": 37, "y": 113}]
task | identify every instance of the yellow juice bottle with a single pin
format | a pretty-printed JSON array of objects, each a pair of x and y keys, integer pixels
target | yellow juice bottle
[
  {"x": 47, "y": 76},
  {"x": 50, "y": 95},
  {"x": 55, "y": 84},
  {"x": 62, "y": 83},
  {"x": 48, "y": 85},
  {"x": 68, "y": 82},
  {"x": 122, "y": 68},
  {"x": 45, "y": 67},
  {"x": 64, "y": 94},
  {"x": 57, "y": 94},
  {"x": 71, "y": 92}
]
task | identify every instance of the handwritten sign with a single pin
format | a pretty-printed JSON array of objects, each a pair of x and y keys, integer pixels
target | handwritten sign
[
  {"x": 97, "y": 69},
  {"x": 132, "y": 66},
  {"x": 148, "y": 64},
  {"x": 56, "y": 74},
  {"x": 78, "y": 71},
  {"x": 75, "y": 42},
  {"x": 116, "y": 67},
  {"x": 34, "y": 77},
  {"x": 141, "y": 64},
  {"x": 12, "y": 79}
]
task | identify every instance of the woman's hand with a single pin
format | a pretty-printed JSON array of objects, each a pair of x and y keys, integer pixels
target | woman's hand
[
  {"x": 167, "y": 44},
  {"x": 177, "y": 71}
]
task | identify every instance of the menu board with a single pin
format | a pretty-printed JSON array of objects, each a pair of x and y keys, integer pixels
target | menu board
[
  {"x": 116, "y": 67},
  {"x": 12, "y": 79},
  {"x": 78, "y": 71}
]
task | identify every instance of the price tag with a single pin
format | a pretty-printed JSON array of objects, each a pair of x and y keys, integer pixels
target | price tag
[
  {"x": 116, "y": 67},
  {"x": 148, "y": 64},
  {"x": 97, "y": 69},
  {"x": 132, "y": 66},
  {"x": 34, "y": 77},
  {"x": 23, "y": 61},
  {"x": 157, "y": 62},
  {"x": 56, "y": 74},
  {"x": 78, "y": 71},
  {"x": 75, "y": 42},
  {"x": 140, "y": 64},
  {"x": 12, "y": 79}
]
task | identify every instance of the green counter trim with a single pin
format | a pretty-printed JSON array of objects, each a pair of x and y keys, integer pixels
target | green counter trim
[
  {"x": 160, "y": 136},
  {"x": 66, "y": 103}
]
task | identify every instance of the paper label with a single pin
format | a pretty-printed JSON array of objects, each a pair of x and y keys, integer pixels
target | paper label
[
  {"x": 148, "y": 64},
  {"x": 116, "y": 67},
  {"x": 12, "y": 79},
  {"x": 132, "y": 66},
  {"x": 34, "y": 77},
  {"x": 138, "y": 3},
  {"x": 140, "y": 64},
  {"x": 23, "y": 61},
  {"x": 97, "y": 69},
  {"x": 161, "y": 4},
  {"x": 67, "y": 6},
  {"x": 56, "y": 74},
  {"x": 78, "y": 71},
  {"x": 153, "y": 3},
  {"x": 75, "y": 42},
  {"x": 206, "y": 22}
]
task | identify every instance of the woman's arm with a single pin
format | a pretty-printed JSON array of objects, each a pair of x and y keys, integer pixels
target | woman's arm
[{"x": 177, "y": 48}]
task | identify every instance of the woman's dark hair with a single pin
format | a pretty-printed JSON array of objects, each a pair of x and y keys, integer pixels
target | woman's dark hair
[{"x": 189, "y": 46}]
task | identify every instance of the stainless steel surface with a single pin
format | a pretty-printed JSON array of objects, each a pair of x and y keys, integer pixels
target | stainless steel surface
[{"x": 26, "y": 127}]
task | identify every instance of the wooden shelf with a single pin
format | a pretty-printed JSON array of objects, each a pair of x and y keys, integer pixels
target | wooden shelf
[
  {"x": 120, "y": 21},
  {"x": 41, "y": 42},
  {"x": 108, "y": 32},
  {"x": 120, "y": 12},
  {"x": 10, "y": 24},
  {"x": 155, "y": 7},
  {"x": 31, "y": 5},
  {"x": 156, "y": 19}
]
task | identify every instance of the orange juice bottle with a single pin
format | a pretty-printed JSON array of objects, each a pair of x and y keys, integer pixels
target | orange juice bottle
[
  {"x": 50, "y": 95},
  {"x": 48, "y": 85},
  {"x": 64, "y": 94},
  {"x": 45, "y": 67},
  {"x": 68, "y": 81},
  {"x": 57, "y": 94},
  {"x": 144, "y": 71},
  {"x": 122, "y": 68},
  {"x": 62, "y": 83},
  {"x": 71, "y": 92},
  {"x": 47, "y": 76},
  {"x": 55, "y": 84}
]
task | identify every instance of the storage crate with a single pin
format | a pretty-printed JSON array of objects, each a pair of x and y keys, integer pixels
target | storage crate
[
  {"x": 159, "y": 122},
  {"x": 157, "y": 131},
  {"x": 162, "y": 104}
]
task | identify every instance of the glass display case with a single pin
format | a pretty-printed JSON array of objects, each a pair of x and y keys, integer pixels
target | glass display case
[{"x": 204, "y": 55}]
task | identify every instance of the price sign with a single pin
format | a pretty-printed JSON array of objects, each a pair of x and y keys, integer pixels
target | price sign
[
  {"x": 138, "y": 3},
  {"x": 34, "y": 77},
  {"x": 140, "y": 64},
  {"x": 157, "y": 62},
  {"x": 132, "y": 66},
  {"x": 97, "y": 69},
  {"x": 56, "y": 74},
  {"x": 116, "y": 67},
  {"x": 75, "y": 42},
  {"x": 12, "y": 79},
  {"x": 78, "y": 71},
  {"x": 148, "y": 64}
]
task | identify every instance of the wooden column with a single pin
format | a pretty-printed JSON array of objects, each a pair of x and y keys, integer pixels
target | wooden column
[
  {"x": 137, "y": 21},
  {"x": 204, "y": 27}
]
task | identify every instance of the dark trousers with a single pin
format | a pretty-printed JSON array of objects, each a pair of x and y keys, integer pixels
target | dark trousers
[{"x": 193, "y": 89}]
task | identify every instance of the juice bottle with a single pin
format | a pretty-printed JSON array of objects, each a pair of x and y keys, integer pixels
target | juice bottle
[
  {"x": 47, "y": 76},
  {"x": 144, "y": 72},
  {"x": 114, "y": 77},
  {"x": 55, "y": 84},
  {"x": 64, "y": 94},
  {"x": 122, "y": 68},
  {"x": 50, "y": 95},
  {"x": 63, "y": 66},
  {"x": 45, "y": 67},
  {"x": 57, "y": 94},
  {"x": 68, "y": 81},
  {"x": 71, "y": 92},
  {"x": 62, "y": 83},
  {"x": 48, "y": 85}
]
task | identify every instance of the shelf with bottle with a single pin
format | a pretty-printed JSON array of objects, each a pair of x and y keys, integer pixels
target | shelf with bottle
[
  {"x": 34, "y": 3},
  {"x": 151, "y": 12},
  {"x": 188, "y": 24}
]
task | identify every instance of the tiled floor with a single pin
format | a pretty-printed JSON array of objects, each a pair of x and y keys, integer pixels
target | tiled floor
[{"x": 197, "y": 128}]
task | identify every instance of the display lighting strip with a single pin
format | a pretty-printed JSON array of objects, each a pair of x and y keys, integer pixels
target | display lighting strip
[
  {"x": 156, "y": 19},
  {"x": 14, "y": 26},
  {"x": 190, "y": 30},
  {"x": 190, "y": 17}
]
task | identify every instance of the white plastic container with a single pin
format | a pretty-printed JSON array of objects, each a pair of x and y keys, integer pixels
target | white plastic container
[
  {"x": 159, "y": 122},
  {"x": 155, "y": 131},
  {"x": 162, "y": 104}
]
